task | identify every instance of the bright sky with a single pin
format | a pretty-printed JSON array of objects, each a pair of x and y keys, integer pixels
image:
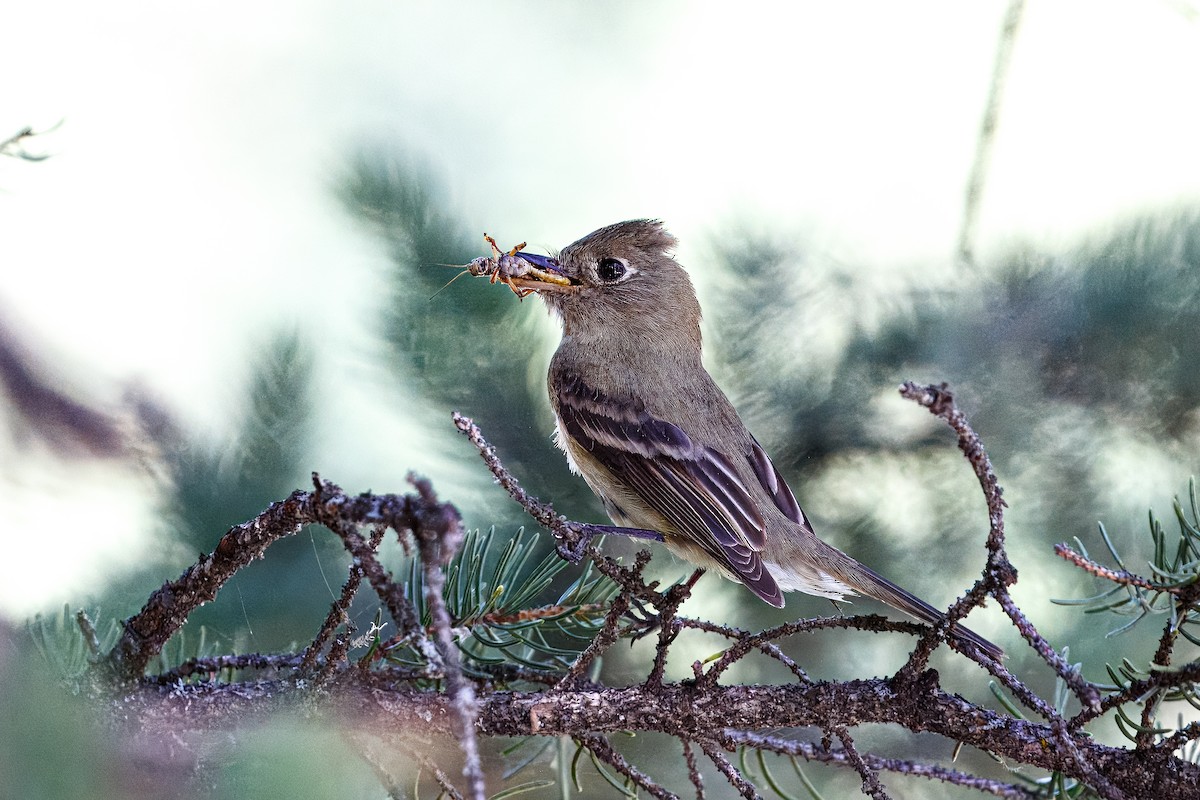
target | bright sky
[{"x": 188, "y": 209}]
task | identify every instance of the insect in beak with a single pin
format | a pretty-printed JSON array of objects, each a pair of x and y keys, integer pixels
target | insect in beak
[{"x": 519, "y": 271}]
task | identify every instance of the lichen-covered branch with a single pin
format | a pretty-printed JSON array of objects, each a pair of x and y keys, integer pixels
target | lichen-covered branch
[{"x": 681, "y": 710}]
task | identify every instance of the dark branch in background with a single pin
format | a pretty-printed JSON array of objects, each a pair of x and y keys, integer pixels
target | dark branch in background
[
  {"x": 64, "y": 422},
  {"x": 14, "y": 146},
  {"x": 987, "y": 132}
]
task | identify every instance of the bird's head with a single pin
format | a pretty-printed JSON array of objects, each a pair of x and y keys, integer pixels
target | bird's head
[{"x": 622, "y": 278}]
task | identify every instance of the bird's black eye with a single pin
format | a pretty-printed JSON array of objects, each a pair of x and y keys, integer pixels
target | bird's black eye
[{"x": 610, "y": 269}]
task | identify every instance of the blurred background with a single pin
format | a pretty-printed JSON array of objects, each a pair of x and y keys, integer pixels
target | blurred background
[{"x": 230, "y": 271}]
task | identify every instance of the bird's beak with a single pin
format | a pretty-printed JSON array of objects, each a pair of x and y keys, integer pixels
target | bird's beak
[
  {"x": 543, "y": 262},
  {"x": 547, "y": 275}
]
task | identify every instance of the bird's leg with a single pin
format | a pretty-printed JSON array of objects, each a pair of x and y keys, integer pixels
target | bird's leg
[
  {"x": 691, "y": 582},
  {"x": 574, "y": 549},
  {"x": 617, "y": 530}
]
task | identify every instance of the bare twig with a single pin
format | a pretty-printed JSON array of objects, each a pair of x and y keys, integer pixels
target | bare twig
[
  {"x": 870, "y": 780},
  {"x": 1120, "y": 576},
  {"x": 745, "y": 641},
  {"x": 168, "y": 608},
  {"x": 999, "y": 572},
  {"x": 1179, "y": 738},
  {"x": 605, "y": 752},
  {"x": 339, "y": 612},
  {"x": 544, "y": 513},
  {"x": 573, "y": 538},
  {"x": 810, "y": 751},
  {"x": 669, "y": 626},
  {"x": 439, "y": 535},
  {"x": 344, "y": 515},
  {"x": 604, "y": 639},
  {"x": 744, "y": 787},
  {"x": 336, "y": 660},
  {"x": 689, "y": 757},
  {"x": 213, "y": 665}
]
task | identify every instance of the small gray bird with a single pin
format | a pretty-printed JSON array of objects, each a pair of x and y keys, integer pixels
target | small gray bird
[{"x": 656, "y": 439}]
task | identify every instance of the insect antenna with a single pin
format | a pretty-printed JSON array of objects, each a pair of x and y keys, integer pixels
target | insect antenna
[{"x": 452, "y": 280}]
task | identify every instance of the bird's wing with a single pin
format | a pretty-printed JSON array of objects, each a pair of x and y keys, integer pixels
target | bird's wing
[
  {"x": 695, "y": 487},
  {"x": 775, "y": 485}
]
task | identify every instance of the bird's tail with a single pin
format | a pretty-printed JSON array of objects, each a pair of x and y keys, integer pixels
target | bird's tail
[{"x": 866, "y": 581}]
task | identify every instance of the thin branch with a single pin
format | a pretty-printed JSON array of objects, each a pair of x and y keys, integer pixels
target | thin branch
[
  {"x": 689, "y": 757},
  {"x": 494, "y": 618},
  {"x": 810, "y": 751},
  {"x": 167, "y": 610},
  {"x": 746, "y": 641},
  {"x": 870, "y": 780},
  {"x": 443, "y": 780},
  {"x": 1120, "y": 576},
  {"x": 1188, "y": 733},
  {"x": 339, "y": 611},
  {"x": 605, "y": 638},
  {"x": 999, "y": 572},
  {"x": 669, "y": 626},
  {"x": 605, "y": 752},
  {"x": 336, "y": 660},
  {"x": 344, "y": 515},
  {"x": 544, "y": 513},
  {"x": 214, "y": 665},
  {"x": 1137, "y": 690},
  {"x": 744, "y": 787},
  {"x": 439, "y": 535},
  {"x": 940, "y": 402},
  {"x": 573, "y": 538}
]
